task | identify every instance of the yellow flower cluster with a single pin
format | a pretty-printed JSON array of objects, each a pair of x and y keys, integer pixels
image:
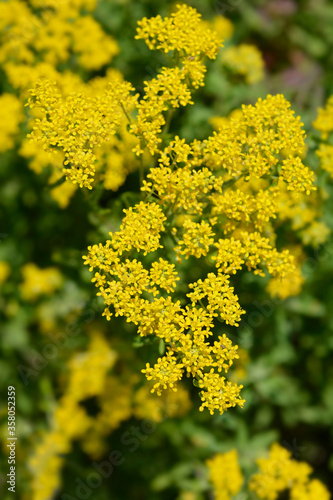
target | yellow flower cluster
[
  {"x": 11, "y": 117},
  {"x": 78, "y": 123},
  {"x": 245, "y": 60},
  {"x": 223, "y": 26},
  {"x": 241, "y": 207},
  {"x": 189, "y": 38},
  {"x": 197, "y": 238},
  {"x": 139, "y": 294},
  {"x": 303, "y": 214},
  {"x": 183, "y": 31},
  {"x": 297, "y": 177},
  {"x": 117, "y": 398},
  {"x": 229, "y": 183},
  {"x": 277, "y": 474},
  {"x": 225, "y": 475},
  {"x": 70, "y": 420},
  {"x": 325, "y": 154},
  {"x": 183, "y": 188},
  {"x": 280, "y": 472},
  {"x": 250, "y": 145},
  {"x": 43, "y": 40},
  {"x": 114, "y": 157},
  {"x": 37, "y": 282},
  {"x": 166, "y": 90},
  {"x": 324, "y": 120},
  {"x": 253, "y": 250},
  {"x": 324, "y": 123},
  {"x": 53, "y": 33}
]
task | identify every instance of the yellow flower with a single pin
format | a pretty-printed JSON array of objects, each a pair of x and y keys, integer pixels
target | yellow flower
[
  {"x": 140, "y": 229},
  {"x": 324, "y": 120},
  {"x": 220, "y": 297},
  {"x": 277, "y": 473},
  {"x": 325, "y": 154},
  {"x": 10, "y": 118},
  {"x": 101, "y": 48},
  {"x": 197, "y": 238},
  {"x": 87, "y": 370},
  {"x": 38, "y": 282},
  {"x": 223, "y": 26},
  {"x": 225, "y": 475},
  {"x": 298, "y": 177},
  {"x": 246, "y": 60},
  {"x": 165, "y": 373},
  {"x": 77, "y": 124},
  {"x": 183, "y": 31},
  {"x": 217, "y": 393},
  {"x": 249, "y": 145},
  {"x": 168, "y": 90}
]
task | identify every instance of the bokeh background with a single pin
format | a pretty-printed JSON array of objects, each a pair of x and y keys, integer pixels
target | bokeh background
[{"x": 49, "y": 317}]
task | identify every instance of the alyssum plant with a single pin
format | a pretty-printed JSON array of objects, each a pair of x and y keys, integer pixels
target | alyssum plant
[{"x": 214, "y": 203}]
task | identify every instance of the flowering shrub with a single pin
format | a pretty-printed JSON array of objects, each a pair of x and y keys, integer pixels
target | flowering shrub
[{"x": 191, "y": 181}]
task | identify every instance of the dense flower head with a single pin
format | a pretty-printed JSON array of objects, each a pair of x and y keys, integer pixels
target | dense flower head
[
  {"x": 241, "y": 207},
  {"x": 114, "y": 156},
  {"x": 76, "y": 124},
  {"x": 217, "y": 393},
  {"x": 252, "y": 250},
  {"x": 167, "y": 371},
  {"x": 196, "y": 238},
  {"x": 297, "y": 177},
  {"x": 140, "y": 229},
  {"x": 221, "y": 300},
  {"x": 183, "y": 31},
  {"x": 249, "y": 145},
  {"x": 183, "y": 188}
]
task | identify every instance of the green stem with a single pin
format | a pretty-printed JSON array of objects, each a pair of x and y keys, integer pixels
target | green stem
[
  {"x": 141, "y": 171},
  {"x": 57, "y": 183},
  {"x": 167, "y": 122},
  {"x": 126, "y": 114}
]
